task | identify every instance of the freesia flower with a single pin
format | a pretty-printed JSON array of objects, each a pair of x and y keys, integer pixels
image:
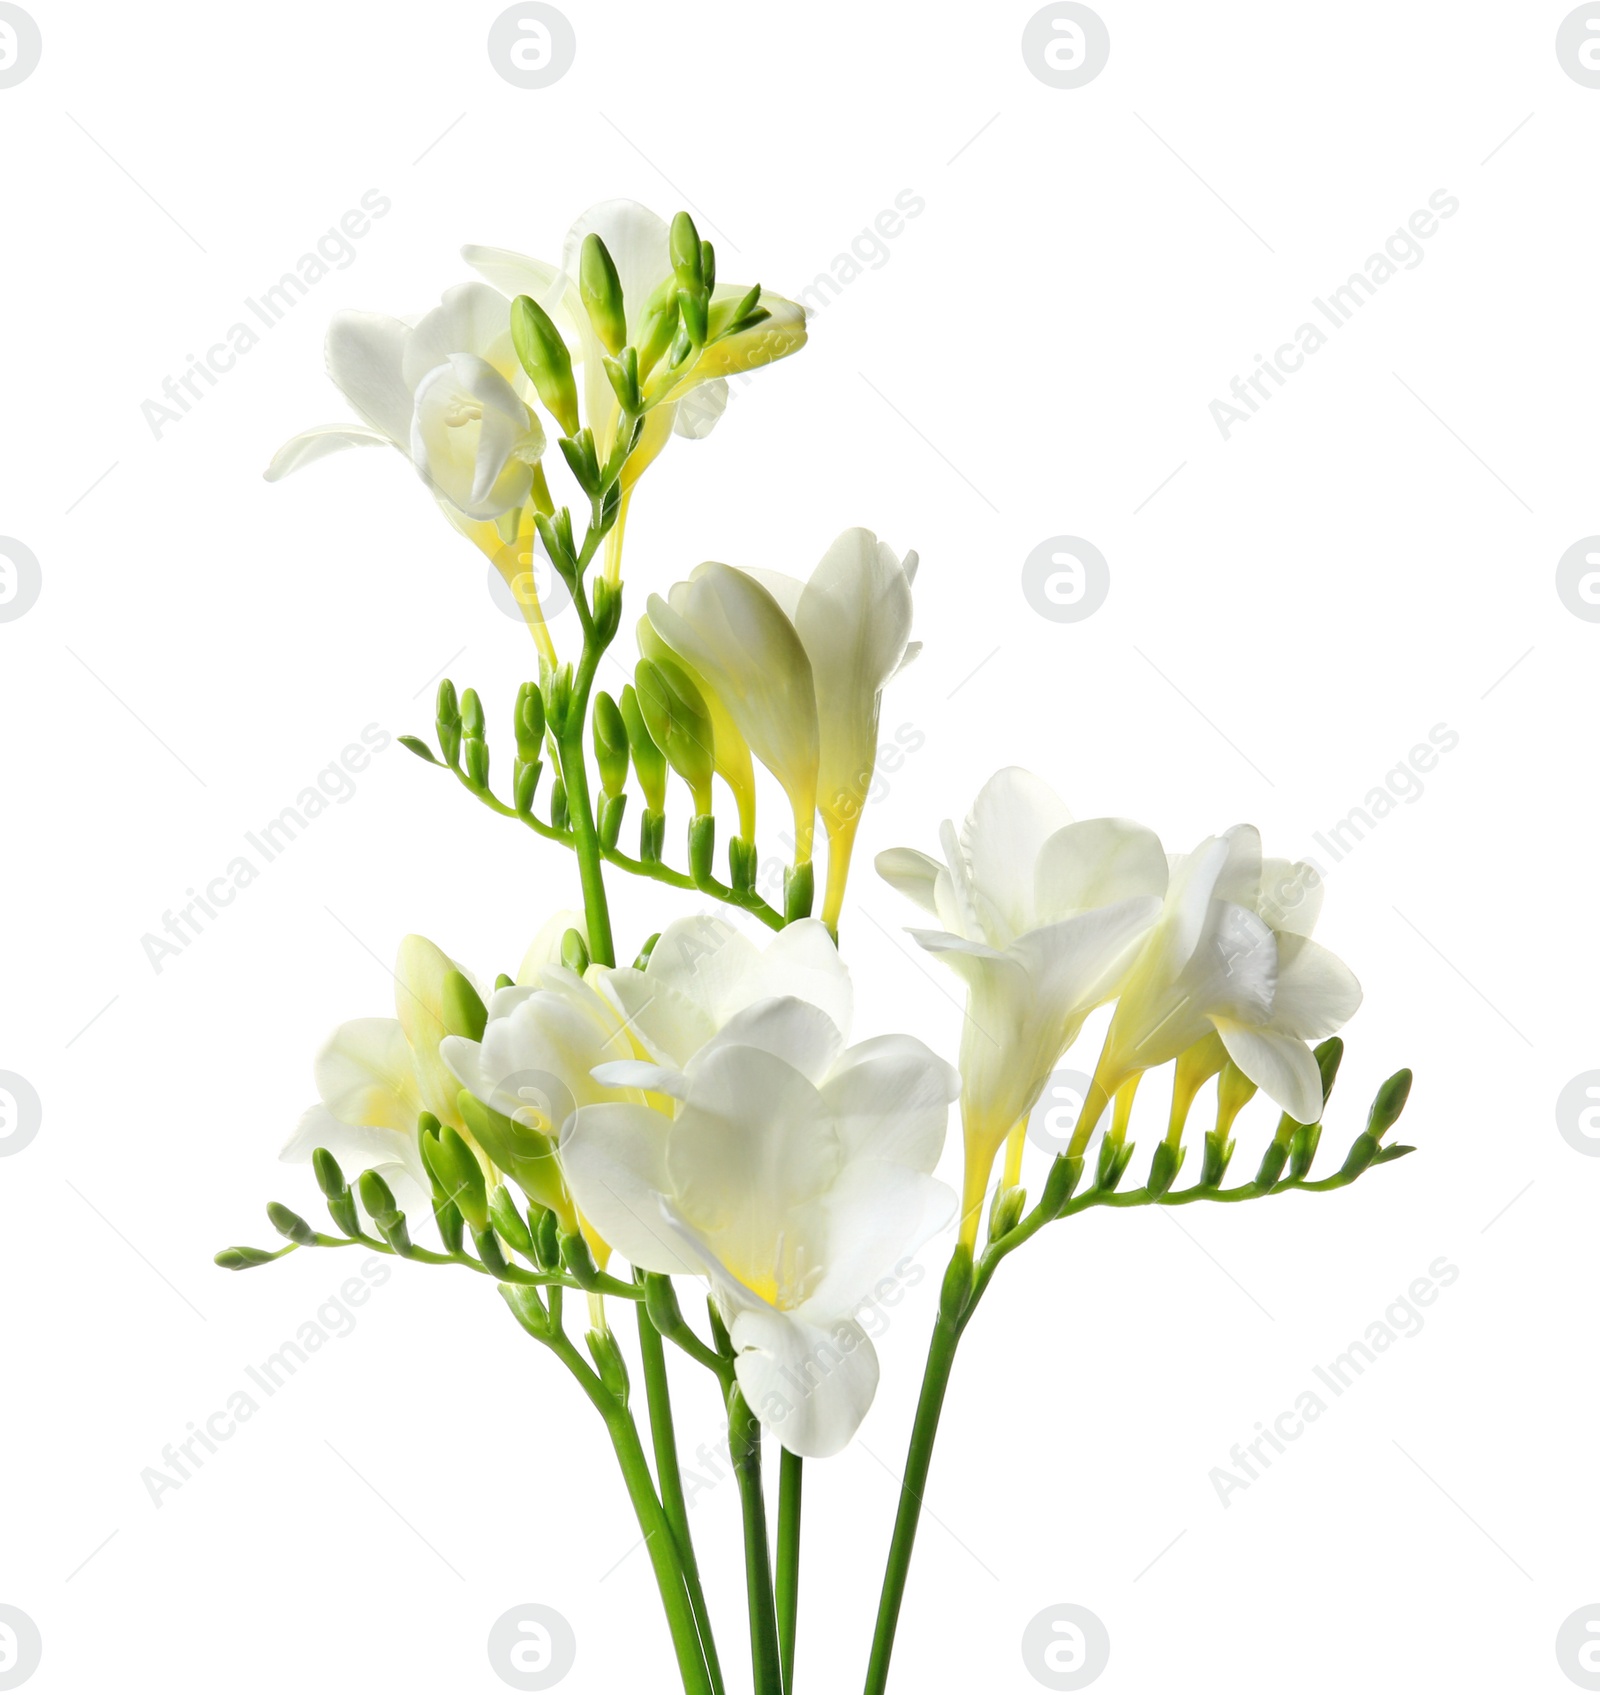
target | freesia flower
[
  {"x": 1217, "y": 962},
  {"x": 791, "y": 1171},
  {"x": 1041, "y": 918},
  {"x": 800, "y": 668},
  {"x": 446, "y": 391},
  {"x": 638, "y": 243},
  {"x": 377, "y": 1076}
]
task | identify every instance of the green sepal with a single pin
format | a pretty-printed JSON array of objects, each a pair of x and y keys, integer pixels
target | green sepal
[
  {"x": 547, "y": 1241},
  {"x": 1363, "y": 1150},
  {"x": 1303, "y": 1148},
  {"x": 579, "y": 1261},
  {"x": 1113, "y": 1161},
  {"x": 799, "y": 891},
  {"x": 1215, "y": 1160},
  {"x": 606, "y": 595},
  {"x": 612, "y": 809},
  {"x": 648, "y": 759},
  {"x": 560, "y": 817},
  {"x": 652, "y": 837},
  {"x": 341, "y": 1203},
  {"x": 955, "y": 1293},
  {"x": 490, "y": 1252},
  {"x": 455, "y": 1167},
  {"x": 1066, "y": 1172},
  {"x": 578, "y": 451},
  {"x": 419, "y": 747},
  {"x": 702, "y": 850},
  {"x": 642, "y": 958},
  {"x": 529, "y": 723},
  {"x": 607, "y": 1356},
  {"x": 476, "y": 761},
  {"x": 1165, "y": 1164},
  {"x": 525, "y": 786},
  {"x": 1005, "y": 1214},
  {"x": 661, "y": 1303},
  {"x": 742, "y": 863}
]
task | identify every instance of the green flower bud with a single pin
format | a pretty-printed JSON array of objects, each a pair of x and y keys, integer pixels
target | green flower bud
[
  {"x": 490, "y": 1252},
  {"x": 692, "y": 312},
  {"x": 648, "y": 760},
  {"x": 579, "y": 1261},
  {"x": 575, "y": 952},
  {"x": 1272, "y": 1164},
  {"x": 1006, "y": 1212},
  {"x": 463, "y": 1011},
  {"x": 447, "y": 723},
  {"x": 529, "y": 720},
  {"x": 623, "y": 375},
  {"x": 1388, "y": 1104},
  {"x": 642, "y": 958},
  {"x": 420, "y": 748},
  {"x": 688, "y": 255},
  {"x": 560, "y": 816},
  {"x": 243, "y": 1259},
  {"x": 675, "y": 715},
  {"x": 455, "y": 1167},
  {"x": 291, "y": 1225},
  {"x": 472, "y": 720},
  {"x": 547, "y": 1241},
  {"x": 607, "y": 597},
  {"x": 601, "y": 290},
  {"x": 579, "y": 453},
  {"x": 509, "y": 1223},
  {"x": 661, "y": 1303},
  {"x": 376, "y": 1196},
  {"x": 527, "y": 1308},
  {"x": 1303, "y": 1148},
  {"x": 545, "y": 358},
  {"x": 610, "y": 744}
]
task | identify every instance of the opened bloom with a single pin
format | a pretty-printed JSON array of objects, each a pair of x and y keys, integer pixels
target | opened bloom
[
  {"x": 799, "y": 668},
  {"x": 377, "y": 1076},
  {"x": 762, "y": 1153},
  {"x": 1228, "y": 957},
  {"x": 1041, "y": 918},
  {"x": 447, "y": 391}
]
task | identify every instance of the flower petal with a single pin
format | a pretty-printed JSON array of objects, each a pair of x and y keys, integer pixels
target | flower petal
[
  {"x": 912, "y": 872},
  {"x": 1014, "y": 815},
  {"x": 890, "y": 1099},
  {"x": 318, "y": 442},
  {"x": 1095, "y": 863},
  {"x": 809, "y": 1384},
  {"x": 365, "y": 353},
  {"x": 1317, "y": 992},
  {"x": 614, "y": 1158},
  {"x": 1282, "y": 1066}
]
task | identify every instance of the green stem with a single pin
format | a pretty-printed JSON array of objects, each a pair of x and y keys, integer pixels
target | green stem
[
  {"x": 935, "y": 1380},
  {"x": 657, "y": 1532},
  {"x": 791, "y": 1473},
  {"x": 664, "y": 1436},
  {"x": 575, "y": 774},
  {"x": 744, "y": 1446}
]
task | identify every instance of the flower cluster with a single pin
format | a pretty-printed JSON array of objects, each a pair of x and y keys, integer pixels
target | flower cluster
[{"x": 701, "y": 1117}]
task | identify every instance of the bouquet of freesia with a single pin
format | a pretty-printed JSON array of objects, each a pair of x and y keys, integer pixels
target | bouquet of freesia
[{"x": 698, "y": 1111}]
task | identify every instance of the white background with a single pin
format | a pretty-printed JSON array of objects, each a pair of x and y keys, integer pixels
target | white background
[{"x": 1371, "y": 556}]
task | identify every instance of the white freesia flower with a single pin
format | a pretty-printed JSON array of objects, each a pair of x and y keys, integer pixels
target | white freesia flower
[
  {"x": 1041, "y": 918},
  {"x": 738, "y": 641},
  {"x": 638, "y": 242},
  {"x": 376, "y": 1076},
  {"x": 791, "y": 1171},
  {"x": 446, "y": 391},
  {"x": 799, "y": 668},
  {"x": 1225, "y": 958}
]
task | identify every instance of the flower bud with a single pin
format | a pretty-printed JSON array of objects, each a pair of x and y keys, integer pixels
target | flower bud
[
  {"x": 291, "y": 1225},
  {"x": 330, "y": 1179},
  {"x": 607, "y": 1356},
  {"x": 688, "y": 254},
  {"x": 648, "y": 760},
  {"x": 447, "y": 723},
  {"x": 575, "y": 952},
  {"x": 545, "y": 358},
  {"x": 472, "y": 720},
  {"x": 476, "y": 762},
  {"x": 675, "y": 715},
  {"x": 610, "y": 744},
  {"x": 527, "y": 1308},
  {"x": 243, "y": 1259},
  {"x": 455, "y": 1167},
  {"x": 601, "y": 290},
  {"x": 1388, "y": 1104},
  {"x": 509, "y": 1223},
  {"x": 525, "y": 785},
  {"x": 529, "y": 721}
]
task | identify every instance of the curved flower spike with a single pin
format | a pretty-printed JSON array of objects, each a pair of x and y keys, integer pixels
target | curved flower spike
[
  {"x": 1216, "y": 962},
  {"x": 1042, "y": 917},
  {"x": 377, "y": 1076}
]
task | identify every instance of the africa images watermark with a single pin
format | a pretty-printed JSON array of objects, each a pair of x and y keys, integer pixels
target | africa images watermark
[
  {"x": 1401, "y": 1321},
  {"x": 334, "y": 786},
  {"x": 335, "y": 250},
  {"x": 333, "y": 1321},
  {"x": 1402, "y": 251}
]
